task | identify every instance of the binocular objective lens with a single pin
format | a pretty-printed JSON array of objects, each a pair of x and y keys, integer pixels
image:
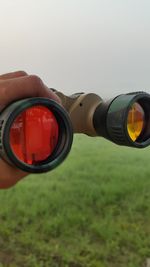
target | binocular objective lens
[
  {"x": 34, "y": 135},
  {"x": 135, "y": 121}
]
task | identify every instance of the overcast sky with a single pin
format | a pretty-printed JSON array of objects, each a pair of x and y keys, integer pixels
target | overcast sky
[{"x": 100, "y": 46}]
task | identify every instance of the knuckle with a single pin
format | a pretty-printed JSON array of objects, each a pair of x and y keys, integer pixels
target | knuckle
[
  {"x": 35, "y": 80},
  {"x": 21, "y": 73}
]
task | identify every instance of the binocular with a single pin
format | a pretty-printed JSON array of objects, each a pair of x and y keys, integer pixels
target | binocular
[{"x": 36, "y": 134}]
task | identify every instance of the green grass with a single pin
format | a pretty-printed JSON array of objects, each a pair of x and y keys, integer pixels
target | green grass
[{"x": 92, "y": 211}]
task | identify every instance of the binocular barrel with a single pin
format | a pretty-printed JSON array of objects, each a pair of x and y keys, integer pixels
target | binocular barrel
[{"x": 125, "y": 120}]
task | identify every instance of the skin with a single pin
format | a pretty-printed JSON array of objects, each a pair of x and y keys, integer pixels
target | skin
[{"x": 14, "y": 86}]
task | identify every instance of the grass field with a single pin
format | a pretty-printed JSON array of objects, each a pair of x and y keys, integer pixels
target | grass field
[{"x": 92, "y": 211}]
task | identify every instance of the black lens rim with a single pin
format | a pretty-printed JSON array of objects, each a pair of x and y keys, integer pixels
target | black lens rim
[
  {"x": 62, "y": 148},
  {"x": 117, "y": 115}
]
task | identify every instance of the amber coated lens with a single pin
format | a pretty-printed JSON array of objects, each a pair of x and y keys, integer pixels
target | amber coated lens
[
  {"x": 135, "y": 121},
  {"x": 34, "y": 135}
]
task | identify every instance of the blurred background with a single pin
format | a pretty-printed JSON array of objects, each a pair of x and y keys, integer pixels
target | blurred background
[
  {"x": 100, "y": 45},
  {"x": 94, "y": 209}
]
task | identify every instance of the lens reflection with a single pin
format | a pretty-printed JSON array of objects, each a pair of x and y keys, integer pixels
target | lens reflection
[
  {"x": 135, "y": 121},
  {"x": 34, "y": 135}
]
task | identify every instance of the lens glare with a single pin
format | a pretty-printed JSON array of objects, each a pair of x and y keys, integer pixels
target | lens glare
[
  {"x": 34, "y": 135},
  {"x": 135, "y": 121}
]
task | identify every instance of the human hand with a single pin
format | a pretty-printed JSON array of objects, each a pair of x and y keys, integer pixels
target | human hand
[{"x": 14, "y": 86}]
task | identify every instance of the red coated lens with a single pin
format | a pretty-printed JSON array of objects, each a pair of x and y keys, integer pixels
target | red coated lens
[{"x": 34, "y": 135}]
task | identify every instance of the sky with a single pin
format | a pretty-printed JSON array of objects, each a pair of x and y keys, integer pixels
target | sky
[{"x": 100, "y": 46}]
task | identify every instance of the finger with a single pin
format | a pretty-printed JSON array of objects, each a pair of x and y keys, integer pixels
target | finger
[
  {"x": 24, "y": 87},
  {"x": 10, "y": 175},
  {"x": 12, "y": 75}
]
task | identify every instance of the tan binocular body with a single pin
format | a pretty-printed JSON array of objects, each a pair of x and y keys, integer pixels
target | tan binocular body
[{"x": 81, "y": 108}]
